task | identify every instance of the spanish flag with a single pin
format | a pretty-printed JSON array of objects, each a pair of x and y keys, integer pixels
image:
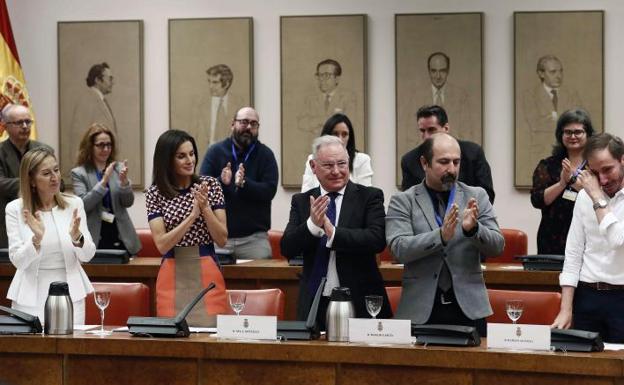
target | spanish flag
[{"x": 12, "y": 82}]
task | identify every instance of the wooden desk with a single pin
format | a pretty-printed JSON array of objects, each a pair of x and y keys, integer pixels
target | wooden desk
[
  {"x": 273, "y": 273},
  {"x": 201, "y": 359}
]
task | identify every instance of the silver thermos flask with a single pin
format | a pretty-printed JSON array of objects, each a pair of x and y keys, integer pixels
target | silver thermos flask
[
  {"x": 339, "y": 310},
  {"x": 59, "y": 310}
]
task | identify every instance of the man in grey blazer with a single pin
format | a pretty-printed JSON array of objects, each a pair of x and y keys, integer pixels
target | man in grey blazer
[
  {"x": 17, "y": 121},
  {"x": 438, "y": 229}
]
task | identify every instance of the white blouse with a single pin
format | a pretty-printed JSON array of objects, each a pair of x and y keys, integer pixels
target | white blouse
[{"x": 362, "y": 172}]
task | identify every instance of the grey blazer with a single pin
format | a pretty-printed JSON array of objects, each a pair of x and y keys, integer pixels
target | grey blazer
[
  {"x": 414, "y": 239},
  {"x": 87, "y": 187}
]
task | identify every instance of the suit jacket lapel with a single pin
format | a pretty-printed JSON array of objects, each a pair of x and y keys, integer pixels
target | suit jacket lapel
[
  {"x": 460, "y": 200},
  {"x": 92, "y": 177},
  {"x": 424, "y": 201},
  {"x": 348, "y": 204}
]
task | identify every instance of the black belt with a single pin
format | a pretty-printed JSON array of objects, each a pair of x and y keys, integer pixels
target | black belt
[{"x": 600, "y": 286}]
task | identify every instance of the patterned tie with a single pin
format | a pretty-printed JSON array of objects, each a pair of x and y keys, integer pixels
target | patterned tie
[
  {"x": 322, "y": 252},
  {"x": 555, "y": 99},
  {"x": 438, "y": 99},
  {"x": 445, "y": 281}
]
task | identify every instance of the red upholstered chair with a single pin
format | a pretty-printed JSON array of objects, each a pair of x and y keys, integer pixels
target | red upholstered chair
[
  {"x": 516, "y": 243},
  {"x": 127, "y": 299},
  {"x": 386, "y": 255},
  {"x": 148, "y": 246},
  {"x": 394, "y": 295},
  {"x": 275, "y": 236},
  {"x": 540, "y": 307},
  {"x": 262, "y": 302}
]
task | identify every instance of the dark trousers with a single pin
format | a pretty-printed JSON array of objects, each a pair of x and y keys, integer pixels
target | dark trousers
[
  {"x": 109, "y": 237},
  {"x": 600, "y": 311},
  {"x": 449, "y": 313}
]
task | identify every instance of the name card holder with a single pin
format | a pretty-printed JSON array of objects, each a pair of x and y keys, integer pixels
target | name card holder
[
  {"x": 247, "y": 327},
  {"x": 380, "y": 331},
  {"x": 518, "y": 336}
]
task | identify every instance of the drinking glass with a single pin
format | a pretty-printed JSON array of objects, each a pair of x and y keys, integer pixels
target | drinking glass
[
  {"x": 373, "y": 304},
  {"x": 237, "y": 301},
  {"x": 102, "y": 299},
  {"x": 514, "y": 309}
]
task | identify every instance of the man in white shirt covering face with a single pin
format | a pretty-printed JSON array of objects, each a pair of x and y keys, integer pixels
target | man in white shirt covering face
[{"x": 592, "y": 280}]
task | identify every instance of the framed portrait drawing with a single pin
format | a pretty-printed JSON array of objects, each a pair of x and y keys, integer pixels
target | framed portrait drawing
[
  {"x": 210, "y": 76},
  {"x": 439, "y": 60},
  {"x": 100, "y": 81},
  {"x": 558, "y": 65},
  {"x": 323, "y": 60}
]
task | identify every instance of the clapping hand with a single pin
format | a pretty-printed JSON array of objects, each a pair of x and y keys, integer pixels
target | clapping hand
[
  {"x": 108, "y": 172},
  {"x": 226, "y": 174},
  {"x": 200, "y": 198},
  {"x": 123, "y": 173},
  {"x": 239, "y": 178},
  {"x": 318, "y": 209},
  {"x": 566, "y": 171},
  {"x": 74, "y": 225},
  {"x": 590, "y": 184},
  {"x": 449, "y": 224},
  {"x": 471, "y": 215},
  {"x": 36, "y": 225}
]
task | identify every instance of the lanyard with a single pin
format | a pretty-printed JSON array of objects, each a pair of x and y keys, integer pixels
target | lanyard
[
  {"x": 450, "y": 202},
  {"x": 579, "y": 168},
  {"x": 246, "y": 154}
]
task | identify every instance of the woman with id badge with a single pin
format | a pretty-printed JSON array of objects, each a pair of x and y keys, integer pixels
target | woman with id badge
[
  {"x": 106, "y": 191},
  {"x": 555, "y": 186}
]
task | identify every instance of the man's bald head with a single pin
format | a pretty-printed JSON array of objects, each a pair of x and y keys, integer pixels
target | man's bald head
[{"x": 441, "y": 156}]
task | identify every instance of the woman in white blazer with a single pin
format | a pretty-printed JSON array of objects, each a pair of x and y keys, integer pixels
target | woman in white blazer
[
  {"x": 106, "y": 191},
  {"x": 48, "y": 238},
  {"x": 360, "y": 168}
]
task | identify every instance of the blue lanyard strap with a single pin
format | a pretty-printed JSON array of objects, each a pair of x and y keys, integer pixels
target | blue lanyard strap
[
  {"x": 246, "y": 154},
  {"x": 439, "y": 220},
  {"x": 579, "y": 168}
]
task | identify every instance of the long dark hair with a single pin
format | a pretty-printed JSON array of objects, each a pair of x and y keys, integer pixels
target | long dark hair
[
  {"x": 163, "y": 175},
  {"x": 328, "y": 129},
  {"x": 576, "y": 115}
]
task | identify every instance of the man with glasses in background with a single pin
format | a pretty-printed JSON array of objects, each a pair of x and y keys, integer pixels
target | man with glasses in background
[
  {"x": 338, "y": 228},
  {"x": 331, "y": 99},
  {"x": 247, "y": 170},
  {"x": 16, "y": 120}
]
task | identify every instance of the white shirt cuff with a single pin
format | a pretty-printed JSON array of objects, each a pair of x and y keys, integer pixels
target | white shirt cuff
[
  {"x": 568, "y": 279},
  {"x": 314, "y": 229}
]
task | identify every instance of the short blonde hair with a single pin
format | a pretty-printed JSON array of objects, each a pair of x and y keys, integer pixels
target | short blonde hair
[{"x": 29, "y": 166}]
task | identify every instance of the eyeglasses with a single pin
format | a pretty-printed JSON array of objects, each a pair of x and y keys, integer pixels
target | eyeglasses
[
  {"x": 247, "y": 122},
  {"x": 103, "y": 145},
  {"x": 326, "y": 75},
  {"x": 21, "y": 123},
  {"x": 342, "y": 165},
  {"x": 577, "y": 133}
]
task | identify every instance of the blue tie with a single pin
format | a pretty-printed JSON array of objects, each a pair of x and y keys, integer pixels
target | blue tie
[{"x": 321, "y": 259}]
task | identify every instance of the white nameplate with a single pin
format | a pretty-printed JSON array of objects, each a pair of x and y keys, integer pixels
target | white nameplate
[
  {"x": 380, "y": 331},
  {"x": 252, "y": 327},
  {"x": 518, "y": 336}
]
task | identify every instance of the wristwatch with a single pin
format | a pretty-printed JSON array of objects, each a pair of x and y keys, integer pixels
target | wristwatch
[
  {"x": 79, "y": 240},
  {"x": 600, "y": 204}
]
